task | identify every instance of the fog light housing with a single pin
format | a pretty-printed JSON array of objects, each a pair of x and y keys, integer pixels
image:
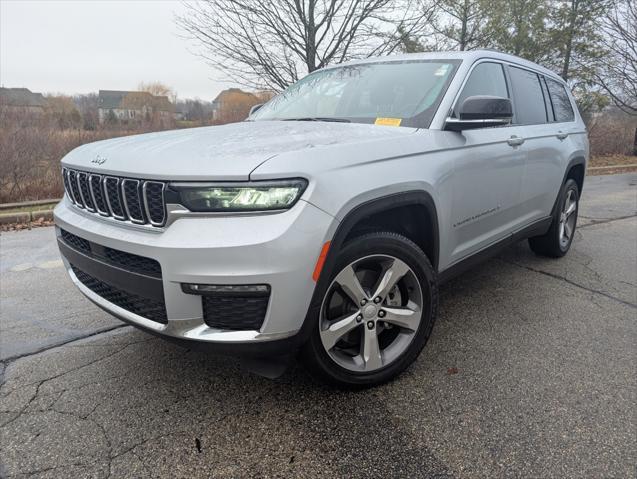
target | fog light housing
[
  {"x": 226, "y": 289},
  {"x": 232, "y": 307}
]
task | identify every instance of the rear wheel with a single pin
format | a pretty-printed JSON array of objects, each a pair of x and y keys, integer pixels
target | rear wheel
[
  {"x": 377, "y": 313},
  {"x": 557, "y": 241}
]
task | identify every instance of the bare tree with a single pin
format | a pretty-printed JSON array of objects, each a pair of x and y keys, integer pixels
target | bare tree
[
  {"x": 157, "y": 88},
  {"x": 618, "y": 77},
  {"x": 272, "y": 43}
]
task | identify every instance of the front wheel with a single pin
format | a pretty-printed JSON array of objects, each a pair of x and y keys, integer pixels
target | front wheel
[
  {"x": 557, "y": 241},
  {"x": 377, "y": 313}
]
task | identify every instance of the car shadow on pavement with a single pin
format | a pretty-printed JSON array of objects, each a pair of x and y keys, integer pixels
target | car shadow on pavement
[{"x": 486, "y": 397}]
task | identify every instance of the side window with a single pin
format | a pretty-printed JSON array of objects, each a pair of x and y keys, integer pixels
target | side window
[
  {"x": 561, "y": 102},
  {"x": 485, "y": 79},
  {"x": 529, "y": 101}
]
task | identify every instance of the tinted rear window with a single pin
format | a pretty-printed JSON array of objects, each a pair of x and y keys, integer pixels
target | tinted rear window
[
  {"x": 527, "y": 93},
  {"x": 562, "y": 107}
]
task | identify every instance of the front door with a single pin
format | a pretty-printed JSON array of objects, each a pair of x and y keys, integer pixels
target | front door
[{"x": 487, "y": 175}]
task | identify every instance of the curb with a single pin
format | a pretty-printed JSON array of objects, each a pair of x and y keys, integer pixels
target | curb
[
  {"x": 46, "y": 215},
  {"x": 9, "y": 218},
  {"x": 612, "y": 167},
  {"x": 9, "y": 206},
  {"x": 25, "y": 217}
]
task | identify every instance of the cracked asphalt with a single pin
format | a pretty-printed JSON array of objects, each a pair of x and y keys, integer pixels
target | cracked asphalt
[{"x": 530, "y": 372}]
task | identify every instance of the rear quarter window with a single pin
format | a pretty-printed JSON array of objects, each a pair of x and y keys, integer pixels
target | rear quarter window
[{"x": 562, "y": 108}]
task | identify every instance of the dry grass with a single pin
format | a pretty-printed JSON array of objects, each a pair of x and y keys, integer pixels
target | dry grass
[
  {"x": 30, "y": 154},
  {"x": 611, "y": 165}
]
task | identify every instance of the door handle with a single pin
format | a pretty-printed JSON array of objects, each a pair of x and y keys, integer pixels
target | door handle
[
  {"x": 561, "y": 135},
  {"x": 515, "y": 141}
]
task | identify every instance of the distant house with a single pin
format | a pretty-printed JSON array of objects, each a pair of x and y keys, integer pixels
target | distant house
[
  {"x": 22, "y": 100},
  {"x": 233, "y": 104},
  {"x": 181, "y": 111},
  {"x": 132, "y": 106}
]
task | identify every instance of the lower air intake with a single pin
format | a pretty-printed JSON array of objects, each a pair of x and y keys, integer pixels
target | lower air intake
[
  {"x": 144, "y": 307},
  {"x": 235, "y": 313}
]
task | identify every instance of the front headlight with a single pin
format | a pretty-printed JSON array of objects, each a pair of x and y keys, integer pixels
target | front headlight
[{"x": 238, "y": 197}]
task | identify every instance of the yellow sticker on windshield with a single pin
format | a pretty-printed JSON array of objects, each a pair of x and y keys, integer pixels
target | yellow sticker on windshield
[{"x": 388, "y": 121}]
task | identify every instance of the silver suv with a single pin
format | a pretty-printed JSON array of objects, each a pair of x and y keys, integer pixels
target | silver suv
[{"x": 326, "y": 221}]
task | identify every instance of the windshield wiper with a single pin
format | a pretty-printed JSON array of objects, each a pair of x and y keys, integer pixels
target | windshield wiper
[{"x": 319, "y": 118}]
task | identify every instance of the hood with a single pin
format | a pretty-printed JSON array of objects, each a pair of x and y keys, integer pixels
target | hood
[{"x": 227, "y": 153}]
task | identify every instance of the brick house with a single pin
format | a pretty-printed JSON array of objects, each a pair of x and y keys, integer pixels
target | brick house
[{"x": 132, "y": 106}]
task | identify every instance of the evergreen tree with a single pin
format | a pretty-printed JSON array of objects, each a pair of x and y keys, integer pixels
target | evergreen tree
[
  {"x": 463, "y": 23},
  {"x": 519, "y": 27},
  {"x": 576, "y": 37}
]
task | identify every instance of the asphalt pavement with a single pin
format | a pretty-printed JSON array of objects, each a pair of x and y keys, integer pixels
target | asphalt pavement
[{"x": 530, "y": 372}]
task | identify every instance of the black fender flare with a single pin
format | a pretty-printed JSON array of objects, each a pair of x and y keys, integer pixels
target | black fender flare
[
  {"x": 578, "y": 160},
  {"x": 368, "y": 208}
]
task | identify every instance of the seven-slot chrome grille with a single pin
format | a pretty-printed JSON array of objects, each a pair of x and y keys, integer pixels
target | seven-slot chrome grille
[{"x": 126, "y": 199}]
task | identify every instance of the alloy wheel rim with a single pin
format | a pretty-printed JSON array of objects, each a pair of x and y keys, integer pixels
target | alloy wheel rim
[
  {"x": 371, "y": 313},
  {"x": 567, "y": 219}
]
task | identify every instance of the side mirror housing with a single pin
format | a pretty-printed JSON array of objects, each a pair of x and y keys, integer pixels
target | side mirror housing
[
  {"x": 255, "y": 108},
  {"x": 481, "y": 112}
]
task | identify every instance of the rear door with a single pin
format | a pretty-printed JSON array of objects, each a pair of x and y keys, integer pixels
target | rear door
[{"x": 546, "y": 151}]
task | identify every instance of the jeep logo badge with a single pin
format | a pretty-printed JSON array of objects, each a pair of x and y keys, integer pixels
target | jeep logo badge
[{"x": 99, "y": 160}]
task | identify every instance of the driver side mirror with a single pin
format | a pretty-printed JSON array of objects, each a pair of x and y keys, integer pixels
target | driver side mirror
[{"x": 481, "y": 112}]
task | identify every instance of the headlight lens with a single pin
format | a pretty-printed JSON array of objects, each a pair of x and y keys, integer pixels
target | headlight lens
[{"x": 228, "y": 197}]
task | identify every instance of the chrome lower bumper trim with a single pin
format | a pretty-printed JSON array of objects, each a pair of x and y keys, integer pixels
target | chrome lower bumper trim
[{"x": 189, "y": 329}]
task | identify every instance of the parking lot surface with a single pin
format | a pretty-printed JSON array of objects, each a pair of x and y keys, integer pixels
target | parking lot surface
[{"x": 530, "y": 372}]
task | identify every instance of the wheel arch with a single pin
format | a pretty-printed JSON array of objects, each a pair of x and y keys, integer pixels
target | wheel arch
[
  {"x": 367, "y": 209},
  {"x": 576, "y": 169},
  {"x": 399, "y": 213}
]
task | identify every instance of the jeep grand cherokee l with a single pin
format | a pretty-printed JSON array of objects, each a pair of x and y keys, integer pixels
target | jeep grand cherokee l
[{"x": 326, "y": 221}]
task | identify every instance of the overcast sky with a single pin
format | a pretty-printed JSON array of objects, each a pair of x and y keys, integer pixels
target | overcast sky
[{"x": 81, "y": 46}]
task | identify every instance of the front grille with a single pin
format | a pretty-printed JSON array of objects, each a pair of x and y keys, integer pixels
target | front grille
[
  {"x": 233, "y": 312},
  {"x": 74, "y": 189},
  {"x": 87, "y": 199},
  {"x": 154, "y": 202},
  {"x": 97, "y": 190},
  {"x": 127, "y": 261},
  {"x": 132, "y": 201},
  {"x": 148, "y": 308},
  {"x": 125, "y": 199}
]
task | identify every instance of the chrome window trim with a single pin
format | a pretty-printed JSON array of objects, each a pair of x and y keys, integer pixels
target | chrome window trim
[{"x": 502, "y": 121}]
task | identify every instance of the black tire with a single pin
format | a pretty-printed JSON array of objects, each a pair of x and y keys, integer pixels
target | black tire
[
  {"x": 314, "y": 354},
  {"x": 550, "y": 244}
]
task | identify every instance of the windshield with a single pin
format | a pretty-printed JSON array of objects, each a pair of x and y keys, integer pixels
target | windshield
[{"x": 404, "y": 93}]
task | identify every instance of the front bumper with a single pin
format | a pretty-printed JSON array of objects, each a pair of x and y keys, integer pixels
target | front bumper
[{"x": 279, "y": 250}]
